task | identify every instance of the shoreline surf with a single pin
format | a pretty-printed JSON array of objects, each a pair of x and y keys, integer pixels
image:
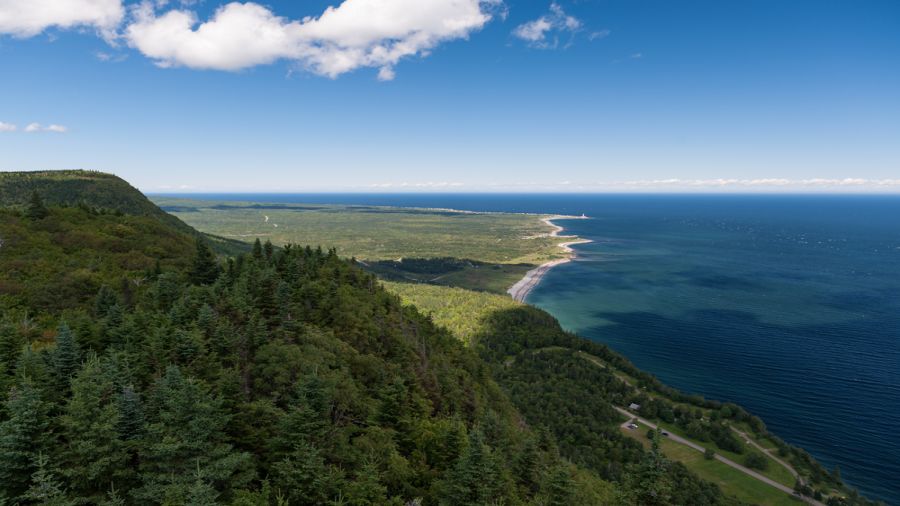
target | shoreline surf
[{"x": 520, "y": 290}]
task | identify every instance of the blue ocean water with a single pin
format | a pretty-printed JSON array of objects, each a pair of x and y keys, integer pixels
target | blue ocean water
[{"x": 786, "y": 305}]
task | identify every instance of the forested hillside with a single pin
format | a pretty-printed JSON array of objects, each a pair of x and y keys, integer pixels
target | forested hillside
[
  {"x": 98, "y": 192},
  {"x": 290, "y": 375},
  {"x": 137, "y": 367}
]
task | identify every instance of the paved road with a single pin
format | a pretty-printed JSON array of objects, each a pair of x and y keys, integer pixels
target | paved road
[
  {"x": 726, "y": 461},
  {"x": 767, "y": 452}
]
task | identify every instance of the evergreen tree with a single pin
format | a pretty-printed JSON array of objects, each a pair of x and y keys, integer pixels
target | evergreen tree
[
  {"x": 131, "y": 414},
  {"x": 205, "y": 269},
  {"x": 10, "y": 347},
  {"x": 66, "y": 357},
  {"x": 366, "y": 489},
  {"x": 93, "y": 454},
  {"x": 268, "y": 249},
  {"x": 257, "y": 249},
  {"x": 45, "y": 489},
  {"x": 649, "y": 484},
  {"x": 104, "y": 301},
  {"x": 304, "y": 478},
  {"x": 559, "y": 487},
  {"x": 36, "y": 209},
  {"x": 185, "y": 430},
  {"x": 23, "y": 436},
  {"x": 475, "y": 478},
  {"x": 526, "y": 466}
]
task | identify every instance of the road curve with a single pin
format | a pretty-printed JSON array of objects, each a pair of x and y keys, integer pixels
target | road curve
[{"x": 726, "y": 461}]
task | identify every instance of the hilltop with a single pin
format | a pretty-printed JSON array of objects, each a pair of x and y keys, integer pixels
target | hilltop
[{"x": 99, "y": 191}]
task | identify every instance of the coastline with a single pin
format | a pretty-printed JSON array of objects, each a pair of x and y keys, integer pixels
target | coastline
[{"x": 520, "y": 290}]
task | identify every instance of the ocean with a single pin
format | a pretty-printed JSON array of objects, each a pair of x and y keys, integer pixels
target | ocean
[{"x": 787, "y": 305}]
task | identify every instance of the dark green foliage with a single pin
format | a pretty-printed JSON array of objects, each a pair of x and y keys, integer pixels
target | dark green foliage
[
  {"x": 23, "y": 437},
  {"x": 92, "y": 450},
  {"x": 45, "y": 488},
  {"x": 205, "y": 269},
  {"x": 105, "y": 301},
  {"x": 186, "y": 431},
  {"x": 292, "y": 378},
  {"x": 95, "y": 193},
  {"x": 62, "y": 263},
  {"x": 36, "y": 209},
  {"x": 756, "y": 460},
  {"x": 475, "y": 479},
  {"x": 296, "y": 369},
  {"x": 66, "y": 356}
]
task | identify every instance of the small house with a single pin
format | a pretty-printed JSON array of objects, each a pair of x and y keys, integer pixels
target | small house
[{"x": 634, "y": 407}]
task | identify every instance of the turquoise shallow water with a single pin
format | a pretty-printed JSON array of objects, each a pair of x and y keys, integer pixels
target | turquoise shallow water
[
  {"x": 787, "y": 305},
  {"x": 790, "y": 308}
]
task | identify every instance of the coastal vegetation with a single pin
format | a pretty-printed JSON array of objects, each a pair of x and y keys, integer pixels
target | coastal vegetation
[
  {"x": 138, "y": 366},
  {"x": 377, "y": 233},
  {"x": 569, "y": 386},
  {"x": 281, "y": 376}
]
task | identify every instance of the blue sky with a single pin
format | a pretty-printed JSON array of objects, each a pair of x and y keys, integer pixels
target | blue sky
[{"x": 462, "y": 95}]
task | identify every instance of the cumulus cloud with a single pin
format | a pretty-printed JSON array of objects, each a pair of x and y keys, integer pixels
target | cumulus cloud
[
  {"x": 355, "y": 34},
  {"x": 37, "y": 127},
  {"x": 27, "y": 18},
  {"x": 544, "y": 31},
  {"x": 7, "y": 127}
]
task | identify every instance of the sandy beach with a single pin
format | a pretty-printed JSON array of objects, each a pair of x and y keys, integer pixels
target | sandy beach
[{"x": 523, "y": 287}]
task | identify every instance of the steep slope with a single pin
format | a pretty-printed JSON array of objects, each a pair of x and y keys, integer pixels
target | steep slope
[
  {"x": 61, "y": 261},
  {"x": 99, "y": 191},
  {"x": 285, "y": 376}
]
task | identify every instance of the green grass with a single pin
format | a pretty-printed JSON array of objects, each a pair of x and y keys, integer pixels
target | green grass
[
  {"x": 775, "y": 471},
  {"x": 377, "y": 233},
  {"x": 462, "y": 311},
  {"x": 730, "y": 480}
]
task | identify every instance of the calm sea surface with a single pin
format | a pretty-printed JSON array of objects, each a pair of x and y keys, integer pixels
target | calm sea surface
[{"x": 786, "y": 305}]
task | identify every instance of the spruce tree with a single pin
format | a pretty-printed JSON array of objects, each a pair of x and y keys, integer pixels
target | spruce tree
[
  {"x": 205, "y": 269},
  {"x": 104, "y": 301},
  {"x": 268, "y": 249},
  {"x": 186, "y": 429},
  {"x": 10, "y": 347},
  {"x": 93, "y": 454},
  {"x": 559, "y": 487},
  {"x": 304, "y": 477},
  {"x": 23, "y": 436},
  {"x": 475, "y": 478},
  {"x": 66, "y": 357},
  {"x": 45, "y": 489},
  {"x": 257, "y": 249},
  {"x": 130, "y": 423},
  {"x": 36, "y": 209}
]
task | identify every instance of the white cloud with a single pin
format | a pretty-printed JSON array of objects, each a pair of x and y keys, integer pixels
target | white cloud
[
  {"x": 37, "y": 127},
  {"x": 7, "y": 127},
  {"x": 543, "y": 32},
  {"x": 356, "y": 33},
  {"x": 427, "y": 184},
  {"x": 26, "y": 18},
  {"x": 599, "y": 34}
]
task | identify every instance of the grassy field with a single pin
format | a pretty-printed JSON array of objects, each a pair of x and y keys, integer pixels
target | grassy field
[
  {"x": 730, "y": 480},
  {"x": 377, "y": 233},
  {"x": 461, "y": 311}
]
